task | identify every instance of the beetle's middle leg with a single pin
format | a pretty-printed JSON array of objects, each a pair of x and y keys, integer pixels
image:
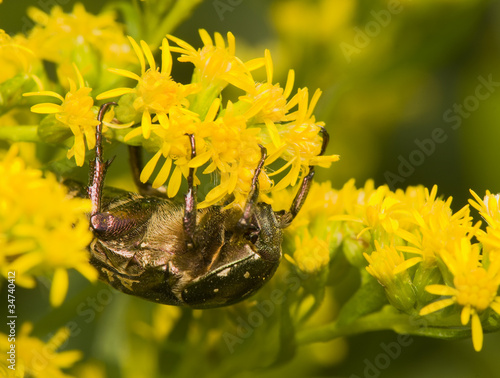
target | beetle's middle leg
[
  {"x": 252, "y": 198},
  {"x": 98, "y": 167},
  {"x": 189, "y": 219}
]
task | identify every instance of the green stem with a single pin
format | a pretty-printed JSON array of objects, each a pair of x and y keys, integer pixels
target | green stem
[
  {"x": 20, "y": 133},
  {"x": 374, "y": 322},
  {"x": 180, "y": 11}
]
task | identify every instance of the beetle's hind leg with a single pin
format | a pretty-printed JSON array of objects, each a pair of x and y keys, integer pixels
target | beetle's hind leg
[{"x": 301, "y": 195}]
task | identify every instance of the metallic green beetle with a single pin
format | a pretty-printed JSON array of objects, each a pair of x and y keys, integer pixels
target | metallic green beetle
[{"x": 152, "y": 247}]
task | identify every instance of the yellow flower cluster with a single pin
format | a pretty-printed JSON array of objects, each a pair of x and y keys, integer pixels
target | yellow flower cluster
[
  {"x": 62, "y": 38},
  {"x": 228, "y": 135},
  {"x": 42, "y": 231},
  {"x": 95, "y": 42},
  {"x": 415, "y": 246}
]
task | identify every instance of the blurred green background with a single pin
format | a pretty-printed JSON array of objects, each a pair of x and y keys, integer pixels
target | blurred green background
[{"x": 411, "y": 95}]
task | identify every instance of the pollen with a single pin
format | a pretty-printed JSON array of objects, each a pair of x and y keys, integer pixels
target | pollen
[
  {"x": 157, "y": 91},
  {"x": 476, "y": 289}
]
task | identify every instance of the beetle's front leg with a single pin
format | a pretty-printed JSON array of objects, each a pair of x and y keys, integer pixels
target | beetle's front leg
[
  {"x": 99, "y": 166},
  {"x": 301, "y": 195},
  {"x": 189, "y": 219}
]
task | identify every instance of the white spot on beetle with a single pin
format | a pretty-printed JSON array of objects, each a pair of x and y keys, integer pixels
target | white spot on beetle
[
  {"x": 224, "y": 273},
  {"x": 246, "y": 275}
]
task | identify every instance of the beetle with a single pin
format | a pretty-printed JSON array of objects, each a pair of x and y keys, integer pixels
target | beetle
[{"x": 167, "y": 252}]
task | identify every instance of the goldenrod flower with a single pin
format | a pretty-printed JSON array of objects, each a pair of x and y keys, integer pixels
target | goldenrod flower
[
  {"x": 75, "y": 112},
  {"x": 42, "y": 231},
  {"x": 163, "y": 320},
  {"x": 235, "y": 153},
  {"x": 301, "y": 141},
  {"x": 172, "y": 142},
  {"x": 436, "y": 227},
  {"x": 488, "y": 207},
  {"x": 35, "y": 358},
  {"x": 311, "y": 253},
  {"x": 58, "y": 35},
  {"x": 475, "y": 287},
  {"x": 268, "y": 102},
  {"x": 15, "y": 56},
  {"x": 489, "y": 210},
  {"x": 390, "y": 268},
  {"x": 156, "y": 93},
  {"x": 215, "y": 64}
]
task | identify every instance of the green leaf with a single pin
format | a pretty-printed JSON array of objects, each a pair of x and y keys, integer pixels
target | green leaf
[
  {"x": 288, "y": 345},
  {"x": 369, "y": 298}
]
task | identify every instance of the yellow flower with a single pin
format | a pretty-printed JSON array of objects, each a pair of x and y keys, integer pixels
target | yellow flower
[
  {"x": 162, "y": 322},
  {"x": 172, "y": 143},
  {"x": 156, "y": 93},
  {"x": 301, "y": 141},
  {"x": 436, "y": 227},
  {"x": 42, "y": 231},
  {"x": 75, "y": 113},
  {"x": 35, "y": 358},
  {"x": 488, "y": 207},
  {"x": 268, "y": 102},
  {"x": 311, "y": 253},
  {"x": 489, "y": 210},
  {"x": 15, "y": 56},
  {"x": 56, "y": 37},
  {"x": 390, "y": 268},
  {"x": 475, "y": 287},
  {"x": 215, "y": 64},
  {"x": 234, "y": 150}
]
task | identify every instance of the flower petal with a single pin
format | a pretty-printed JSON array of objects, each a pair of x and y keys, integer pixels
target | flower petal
[
  {"x": 148, "y": 169},
  {"x": 163, "y": 174},
  {"x": 440, "y": 290},
  {"x": 115, "y": 93},
  {"x": 477, "y": 333},
  {"x": 59, "y": 287},
  {"x": 436, "y": 306},
  {"x": 175, "y": 182},
  {"x": 46, "y": 108}
]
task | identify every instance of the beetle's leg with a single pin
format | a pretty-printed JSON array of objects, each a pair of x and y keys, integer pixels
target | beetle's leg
[
  {"x": 253, "y": 196},
  {"x": 145, "y": 188},
  {"x": 98, "y": 167},
  {"x": 190, "y": 201},
  {"x": 301, "y": 195}
]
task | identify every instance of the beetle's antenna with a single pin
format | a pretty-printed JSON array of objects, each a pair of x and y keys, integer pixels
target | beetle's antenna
[
  {"x": 190, "y": 201},
  {"x": 98, "y": 166},
  {"x": 253, "y": 195},
  {"x": 301, "y": 195}
]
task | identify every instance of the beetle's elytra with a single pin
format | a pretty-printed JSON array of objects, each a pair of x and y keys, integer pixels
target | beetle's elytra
[{"x": 154, "y": 248}]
